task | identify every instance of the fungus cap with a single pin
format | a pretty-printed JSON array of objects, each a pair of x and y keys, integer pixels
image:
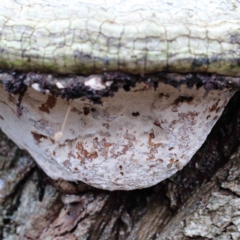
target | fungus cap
[{"x": 133, "y": 140}]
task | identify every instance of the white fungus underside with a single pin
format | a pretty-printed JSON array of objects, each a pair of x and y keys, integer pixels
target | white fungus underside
[{"x": 131, "y": 141}]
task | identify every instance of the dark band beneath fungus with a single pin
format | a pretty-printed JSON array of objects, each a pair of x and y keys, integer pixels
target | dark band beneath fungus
[{"x": 75, "y": 86}]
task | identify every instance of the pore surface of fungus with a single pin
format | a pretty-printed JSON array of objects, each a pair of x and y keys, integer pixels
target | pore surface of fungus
[{"x": 155, "y": 121}]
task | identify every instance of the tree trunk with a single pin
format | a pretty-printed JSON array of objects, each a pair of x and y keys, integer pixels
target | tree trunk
[{"x": 200, "y": 202}]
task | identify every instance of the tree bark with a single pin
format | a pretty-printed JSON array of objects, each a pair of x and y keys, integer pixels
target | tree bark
[{"x": 200, "y": 202}]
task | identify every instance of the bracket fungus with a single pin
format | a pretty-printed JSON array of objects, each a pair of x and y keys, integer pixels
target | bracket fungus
[{"x": 146, "y": 81}]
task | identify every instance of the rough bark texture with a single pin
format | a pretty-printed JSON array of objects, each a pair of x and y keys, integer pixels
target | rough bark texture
[{"x": 200, "y": 202}]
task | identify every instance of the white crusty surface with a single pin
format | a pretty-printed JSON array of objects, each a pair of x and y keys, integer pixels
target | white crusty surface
[
  {"x": 134, "y": 36},
  {"x": 133, "y": 140}
]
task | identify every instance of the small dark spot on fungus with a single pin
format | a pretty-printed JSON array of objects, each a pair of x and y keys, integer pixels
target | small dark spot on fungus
[
  {"x": 182, "y": 99},
  {"x": 218, "y": 109},
  {"x": 67, "y": 164},
  {"x": 135, "y": 114},
  {"x": 86, "y": 110},
  {"x": 157, "y": 123},
  {"x": 121, "y": 173},
  {"x": 214, "y": 107},
  {"x": 76, "y": 110},
  {"x": 151, "y": 135},
  {"x": 38, "y": 136},
  {"x": 161, "y": 95},
  {"x": 120, "y": 167},
  {"x": 174, "y": 109},
  {"x": 106, "y": 125},
  {"x": 126, "y": 88}
]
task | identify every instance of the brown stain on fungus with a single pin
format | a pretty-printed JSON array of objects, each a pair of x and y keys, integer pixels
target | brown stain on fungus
[
  {"x": 179, "y": 101},
  {"x": 188, "y": 117},
  {"x": 38, "y": 137},
  {"x": 182, "y": 99},
  {"x": 120, "y": 149},
  {"x": 214, "y": 106},
  {"x": 158, "y": 124},
  {"x": 76, "y": 110},
  {"x": 153, "y": 146},
  {"x": 83, "y": 153},
  {"x": 151, "y": 136},
  {"x": 49, "y": 104}
]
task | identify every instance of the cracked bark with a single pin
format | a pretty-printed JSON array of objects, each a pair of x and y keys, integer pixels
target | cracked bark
[{"x": 200, "y": 202}]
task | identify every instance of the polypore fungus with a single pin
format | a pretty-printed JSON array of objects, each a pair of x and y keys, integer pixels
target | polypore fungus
[{"x": 145, "y": 126}]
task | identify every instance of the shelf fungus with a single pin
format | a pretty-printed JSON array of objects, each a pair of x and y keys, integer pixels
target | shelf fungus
[{"x": 122, "y": 97}]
